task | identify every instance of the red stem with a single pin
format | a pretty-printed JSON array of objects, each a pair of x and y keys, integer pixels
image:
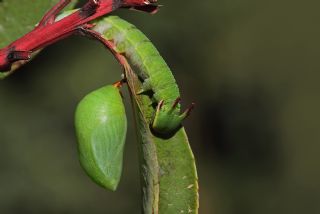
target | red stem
[{"x": 48, "y": 31}]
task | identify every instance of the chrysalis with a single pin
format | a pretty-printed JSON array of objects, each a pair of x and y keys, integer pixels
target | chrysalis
[{"x": 101, "y": 126}]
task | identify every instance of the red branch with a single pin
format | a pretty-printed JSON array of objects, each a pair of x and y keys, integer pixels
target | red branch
[{"x": 48, "y": 31}]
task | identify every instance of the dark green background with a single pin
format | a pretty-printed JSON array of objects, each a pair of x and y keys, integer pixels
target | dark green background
[{"x": 252, "y": 67}]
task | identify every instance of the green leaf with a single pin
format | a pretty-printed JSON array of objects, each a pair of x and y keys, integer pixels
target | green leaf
[{"x": 169, "y": 176}]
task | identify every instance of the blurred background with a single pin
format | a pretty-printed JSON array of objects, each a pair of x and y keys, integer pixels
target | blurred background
[{"x": 252, "y": 68}]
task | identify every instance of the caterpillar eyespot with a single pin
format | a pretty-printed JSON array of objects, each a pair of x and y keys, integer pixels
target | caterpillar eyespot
[
  {"x": 154, "y": 71},
  {"x": 101, "y": 126}
]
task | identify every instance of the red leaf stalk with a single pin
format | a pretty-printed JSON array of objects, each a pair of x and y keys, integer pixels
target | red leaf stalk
[{"x": 49, "y": 31}]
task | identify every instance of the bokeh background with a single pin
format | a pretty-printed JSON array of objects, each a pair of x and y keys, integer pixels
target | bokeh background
[{"x": 252, "y": 67}]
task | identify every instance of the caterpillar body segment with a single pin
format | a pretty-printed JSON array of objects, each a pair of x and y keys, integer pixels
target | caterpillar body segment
[{"x": 128, "y": 41}]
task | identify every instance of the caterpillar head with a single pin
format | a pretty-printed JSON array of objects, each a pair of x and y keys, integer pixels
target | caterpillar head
[{"x": 168, "y": 118}]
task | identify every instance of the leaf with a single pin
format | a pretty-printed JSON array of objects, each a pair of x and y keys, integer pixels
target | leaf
[
  {"x": 17, "y": 17},
  {"x": 169, "y": 176}
]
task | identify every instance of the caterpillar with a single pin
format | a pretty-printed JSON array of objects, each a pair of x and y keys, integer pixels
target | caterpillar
[
  {"x": 125, "y": 39},
  {"x": 101, "y": 126}
]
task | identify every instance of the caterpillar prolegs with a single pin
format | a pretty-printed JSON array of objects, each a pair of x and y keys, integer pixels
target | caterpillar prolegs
[{"x": 124, "y": 39}]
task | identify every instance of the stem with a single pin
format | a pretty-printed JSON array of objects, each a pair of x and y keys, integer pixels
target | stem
[{"x": 50, "y": 31}]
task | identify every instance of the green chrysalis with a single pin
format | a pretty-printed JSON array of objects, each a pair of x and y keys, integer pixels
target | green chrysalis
[
  {"x": 101, "y": 126},
  {"x": 154, "y": 71}
]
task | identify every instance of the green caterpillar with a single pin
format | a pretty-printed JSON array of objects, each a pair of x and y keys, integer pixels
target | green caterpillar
[
  {"x": 156, "y": 75},
  {"x": 101, "y": 126}
]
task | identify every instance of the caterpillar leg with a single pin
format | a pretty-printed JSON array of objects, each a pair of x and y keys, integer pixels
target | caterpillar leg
[
  {"x": 146, "y": 87},
  {"x": 168, "y": 118}
]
